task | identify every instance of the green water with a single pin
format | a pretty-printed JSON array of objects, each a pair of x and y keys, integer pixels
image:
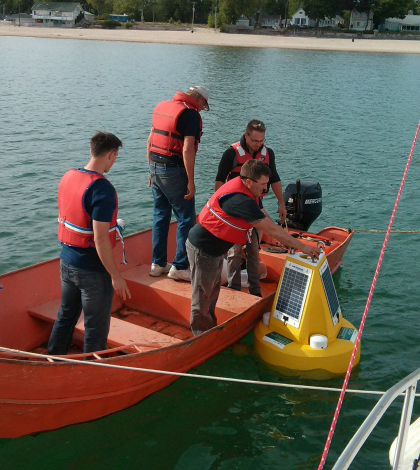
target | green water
[{"x": 346, "y": 120}]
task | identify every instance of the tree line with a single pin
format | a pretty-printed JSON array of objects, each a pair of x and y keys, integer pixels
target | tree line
[{"x": 228, "y": 11}]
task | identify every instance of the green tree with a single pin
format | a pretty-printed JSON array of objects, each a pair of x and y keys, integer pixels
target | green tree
[
  {"x": 210, "y": 21},
  {"x": 101, "y": 7},
  {"x": 129, "y": 7},
  {"x": 231, "y": 10},
  {"x": 275, "y": 7},
  {"x": 260, "y": 13},
  {"x": 321, "y": 9},
  {"x": 383, "y": 9},
  {"x": 293, "y": 7},
  {"x": 13, "y": 6}
]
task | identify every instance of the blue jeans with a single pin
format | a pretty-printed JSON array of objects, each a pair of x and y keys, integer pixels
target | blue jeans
[
  {"x": 91, "y": 291},
  {"x": 169, "y": 186}
]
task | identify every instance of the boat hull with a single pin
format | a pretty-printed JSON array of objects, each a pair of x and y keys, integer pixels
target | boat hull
[
  {"x": 38, "y": 395},
  {"x": 42, "y": 395}
]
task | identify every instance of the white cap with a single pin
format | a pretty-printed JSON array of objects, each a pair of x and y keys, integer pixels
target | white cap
[
  {"x": 318, "y": 341},
  {"x": 203, "y": 91}
]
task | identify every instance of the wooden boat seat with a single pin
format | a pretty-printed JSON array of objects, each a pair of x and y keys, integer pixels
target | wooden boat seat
[
  {"x": 121, "y": 332},
  {"x": 171, "y": 300}
]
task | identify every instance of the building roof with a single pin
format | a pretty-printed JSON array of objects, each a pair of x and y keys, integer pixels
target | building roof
[
  {"x": 56, "y": 6},
  {"x": 409, "y": 20},
  {"x": 270, "y": 17},
  {"x": 16, "y": 16}
]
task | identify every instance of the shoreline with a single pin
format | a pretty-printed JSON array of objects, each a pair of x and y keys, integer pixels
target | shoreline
[{"x": 208, "y": 37}]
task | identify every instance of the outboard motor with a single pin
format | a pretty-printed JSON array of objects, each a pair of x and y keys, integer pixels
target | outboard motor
[{"x": 303, "y": 201}]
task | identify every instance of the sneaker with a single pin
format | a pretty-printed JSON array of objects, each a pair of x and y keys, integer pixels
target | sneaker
[
  {"x": 157, "y": 270},
  {"x": 180, "y": 274}
]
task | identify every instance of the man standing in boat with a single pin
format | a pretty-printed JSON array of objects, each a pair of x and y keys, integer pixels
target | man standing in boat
[
  {"x": 171, "y": 149},
  {"x": 88, "y": 207},
  {"x": 227, "y": 218},
  {"x": 250, "y": 146}
]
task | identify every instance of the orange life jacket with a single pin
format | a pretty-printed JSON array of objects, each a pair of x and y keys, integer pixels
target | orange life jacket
[
  {"x": 218, "y": 222},
  {"x": 74, "y": 223},
  {"x": 165, "y": 138},
  {"x": 243, "y": 156}
]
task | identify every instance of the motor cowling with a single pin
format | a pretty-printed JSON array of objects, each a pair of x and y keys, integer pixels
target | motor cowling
[{"x": 303, "y": 201}]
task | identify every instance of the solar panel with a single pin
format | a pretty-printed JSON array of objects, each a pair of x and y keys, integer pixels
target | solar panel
[
  {"x": 330, "y": 292},
  {"x": 293, "y": 289}
]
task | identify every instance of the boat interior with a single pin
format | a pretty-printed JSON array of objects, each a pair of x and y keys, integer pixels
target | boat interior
[{"x": 156, "y": 316}]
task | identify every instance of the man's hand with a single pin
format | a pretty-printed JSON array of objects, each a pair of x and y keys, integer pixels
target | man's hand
[
  {"x": 282, "y": 212},
  {"x": 312, "y": 251},
  {"x": 190, "y": 191},
  {"x": 120, "y": 287}
]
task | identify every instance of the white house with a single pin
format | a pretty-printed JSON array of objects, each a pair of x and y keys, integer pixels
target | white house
[
  {"x": 242, "y": 21},
  {"x": 300, "y": 18},
  {"x": 359, "y": 21},
  {"x": 271, "y": 21},
  {"x": 408, "y": 23},
  {"x": 57, "y": 13},
  {"x": 331, "y": 22}
]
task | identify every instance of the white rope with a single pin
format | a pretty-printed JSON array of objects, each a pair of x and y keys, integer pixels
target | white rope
[{"x": 196, "y": 376}]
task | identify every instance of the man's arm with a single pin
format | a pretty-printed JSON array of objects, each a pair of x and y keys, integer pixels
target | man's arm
[
  {"x": 188, "y": 155},
  {"x": 225, "y": 167},
  {"x": 104, "y": 249},
  {"x": 277, "y": 190},
  {"x": 274, "y": 230},
  {"x": 149, "y": 140}
]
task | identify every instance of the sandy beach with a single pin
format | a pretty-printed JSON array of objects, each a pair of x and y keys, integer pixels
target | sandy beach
[{"x": 205, "y": 36}]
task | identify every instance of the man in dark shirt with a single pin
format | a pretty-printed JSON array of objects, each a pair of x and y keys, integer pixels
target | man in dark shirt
[
  {"x": 87, "y": 204},
  {"x": 171, "y": 151},
  {"x": 206, "y": 247},
  {"x": 250, "y": 146}
]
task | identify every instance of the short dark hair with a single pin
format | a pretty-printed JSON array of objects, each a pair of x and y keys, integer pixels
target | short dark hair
[
  {"x": 254, "y": 169},
  {"x": 255, "y": 125},
  {"x": 103, "y": 142}
]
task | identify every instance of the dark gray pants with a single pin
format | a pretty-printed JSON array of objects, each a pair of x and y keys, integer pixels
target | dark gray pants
[
  {"x": 234, "y": 262},
  {"x": 206, "y": 273}
]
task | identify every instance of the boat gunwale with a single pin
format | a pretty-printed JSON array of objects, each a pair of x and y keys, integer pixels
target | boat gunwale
[{"x": 183, "y": 343}]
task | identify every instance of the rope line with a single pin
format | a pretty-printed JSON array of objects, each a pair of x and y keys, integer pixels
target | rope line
[
  {"x": 196, "y": 376},
  {"x": 365, "y": 313},
  {"x": 373, "y": 230}
]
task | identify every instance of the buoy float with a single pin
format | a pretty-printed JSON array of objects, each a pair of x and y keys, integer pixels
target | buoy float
[{"x": 305, "y": 330}]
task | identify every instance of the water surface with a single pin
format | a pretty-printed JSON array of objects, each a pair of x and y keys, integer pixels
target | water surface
[{"x": 346, "y": 120}]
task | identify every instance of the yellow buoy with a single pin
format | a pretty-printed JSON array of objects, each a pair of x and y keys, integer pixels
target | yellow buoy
[{"x": 305, "y": 330}]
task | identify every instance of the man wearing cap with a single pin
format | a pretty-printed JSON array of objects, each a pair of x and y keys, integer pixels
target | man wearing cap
[
  {"x": 226, "y": 219},
  {"x": 250, "y": 146},
  {"x": 171, "y": 149}
]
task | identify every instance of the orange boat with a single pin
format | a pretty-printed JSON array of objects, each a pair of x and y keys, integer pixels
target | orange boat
[{"x": 151, "y": 331}]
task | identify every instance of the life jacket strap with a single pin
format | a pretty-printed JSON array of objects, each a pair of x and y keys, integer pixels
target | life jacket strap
[
  {"x": 224, "y": 220},
  {"x": 87, "y": 231}
]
